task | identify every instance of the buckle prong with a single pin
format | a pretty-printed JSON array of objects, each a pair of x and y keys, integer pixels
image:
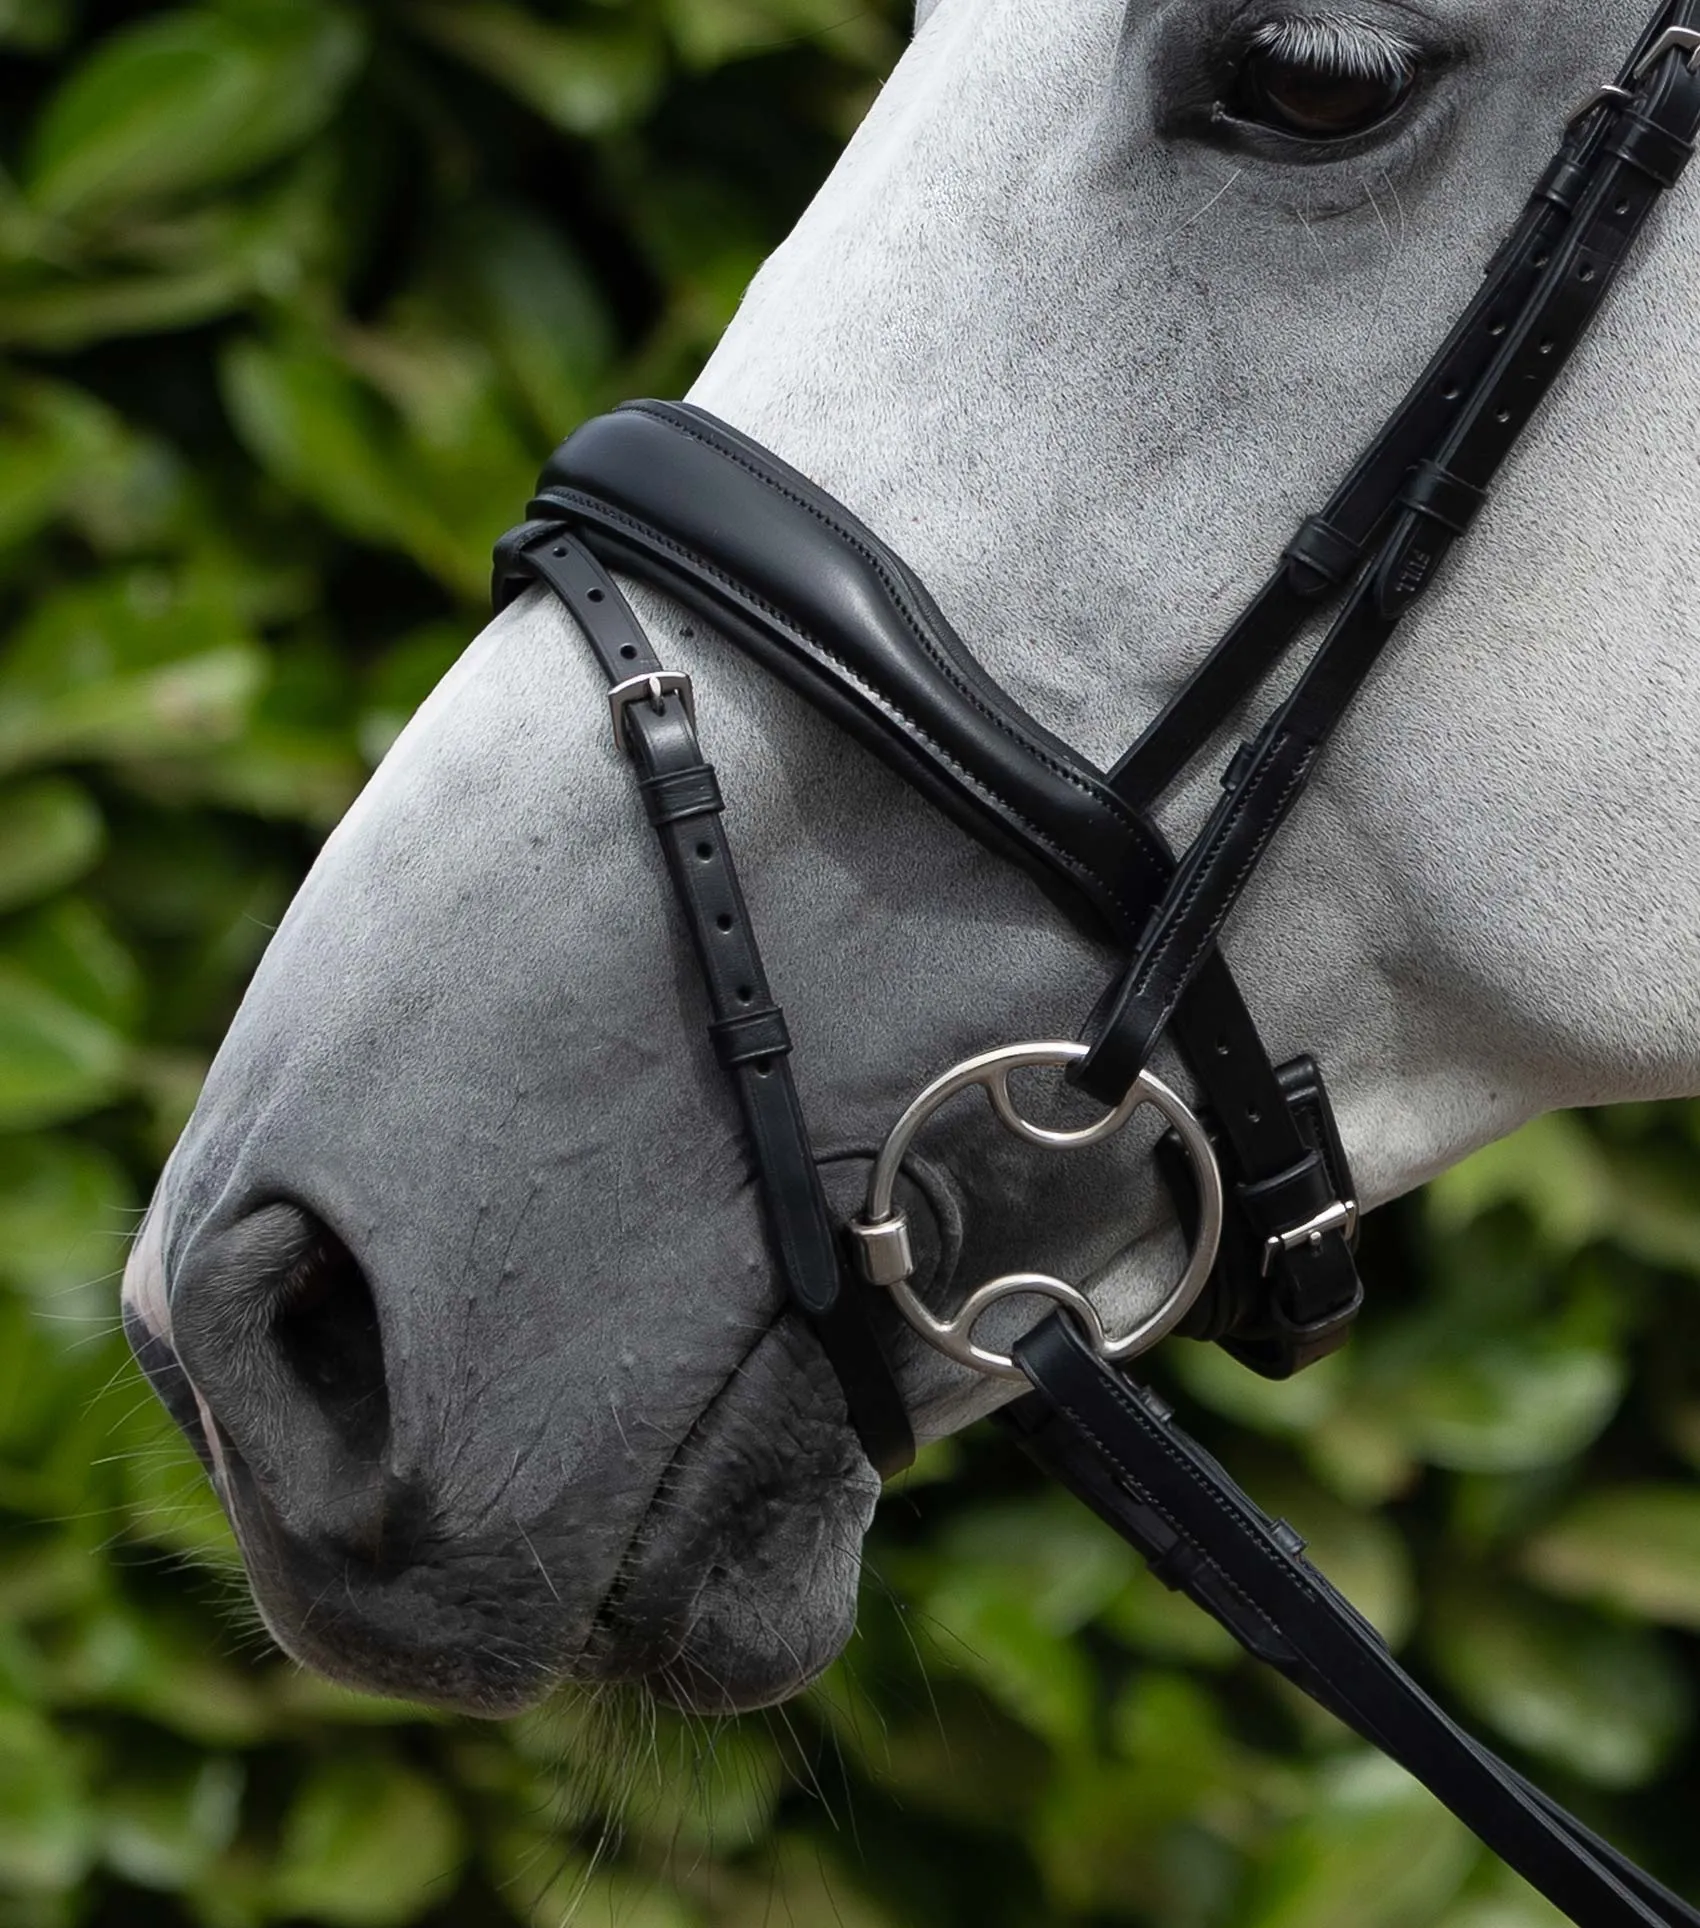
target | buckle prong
[
  {"x": 1673, "y": 40},
  {"x": 1683, "y": 40},
  {"x": 652, "y": 688},
  {"x": 1341, "y": 1216}
]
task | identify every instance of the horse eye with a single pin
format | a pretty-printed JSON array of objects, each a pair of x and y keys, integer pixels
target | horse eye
[{"x": 1315, "y": 98}]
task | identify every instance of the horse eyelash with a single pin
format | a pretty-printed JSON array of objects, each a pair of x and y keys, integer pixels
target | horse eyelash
[{"x": 1355, "y": 48}]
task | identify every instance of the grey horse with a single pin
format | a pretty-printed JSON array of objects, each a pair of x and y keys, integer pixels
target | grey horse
[{"x": 456, "y": 1276}]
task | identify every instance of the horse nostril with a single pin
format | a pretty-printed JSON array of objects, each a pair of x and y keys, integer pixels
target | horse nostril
[
  {"x": 276, "y": 1325},
  {"x": 325, "y": 1328}
]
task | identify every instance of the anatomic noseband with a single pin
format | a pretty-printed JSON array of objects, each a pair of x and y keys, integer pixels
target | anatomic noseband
[{"x": 666, "y": 494}]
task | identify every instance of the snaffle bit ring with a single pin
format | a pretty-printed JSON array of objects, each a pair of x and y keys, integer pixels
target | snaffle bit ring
[{"x": 881, "y": 1235}]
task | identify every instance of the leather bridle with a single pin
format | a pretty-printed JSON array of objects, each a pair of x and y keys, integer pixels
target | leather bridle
[{"x": 666, "y": 494}]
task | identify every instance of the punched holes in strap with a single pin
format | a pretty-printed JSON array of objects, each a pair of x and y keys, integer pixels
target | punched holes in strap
[
  {"x": 1443, "y": 497},
  {"x": 751, "y": 1037}
]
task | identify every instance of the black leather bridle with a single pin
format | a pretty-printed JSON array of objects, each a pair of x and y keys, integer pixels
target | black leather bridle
[{"x": 668, "y": 495}]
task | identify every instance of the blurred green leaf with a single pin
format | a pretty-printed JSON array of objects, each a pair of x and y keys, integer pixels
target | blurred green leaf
[
  {"x": 71, "y": 946},
  {"x": 47, "y": 1836},
  {"x": 189, "y": 100},
  {"x": 435, "y": 491},
  {"x": 50, "y": 437},
  {"x": 55, "y": 1060},
  {"x": 1575, "y": 1191},
  {"x": 45, "y": 1573},
  {"x": 1513, "y": 1407},
  {"x": 1373, "y": 1851},
  {"x": 160, "y": 1667},
  {"x": 1277, "y": 1406},
  {"x": 710, "y": 32},
  {"x": 1499, "y": 1899},
  {"x": 586, "y": 78},
  {"x": 1166, "y": 1625},
  {"x": 66, "y": 1211},
  {"x": 166, "y": 1496},
  {"x": 548, "y": 1884},
  {"x": 51, "y": 832},
  {"x": 34, "y": 25},
  {"x": 166, "y": 1829},
  {"x": 367, "y": 1843},
  {"x": 1015, "y": 1583},
  {"x": 1359, "y": 1453},
  {"x": 71, "y": 314},
  {"x": 1109, "y": 1832},
  {"x": 135, "y": 665},
  {"x": 1551, "y": 1166},
  {"x": 1050, "y": 1552},
  {"x": 537, "y": 305},
  {"x": 798, "y": 1885},
  {"x": 1604, "y": 1701},
  {"x": 306, "y": 418},
  {"x": 1636, "y": 1549},
  {"x": 721, "y": 1797},
  {"x": 981, "y": 1623},
  {"x": 1499, "y": 1400}
]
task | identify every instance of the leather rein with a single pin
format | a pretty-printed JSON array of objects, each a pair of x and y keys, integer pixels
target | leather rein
[{"x": 666, "y": 494}]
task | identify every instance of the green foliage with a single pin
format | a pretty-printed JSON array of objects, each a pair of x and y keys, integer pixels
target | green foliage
[{"x": 293, "y": 299}]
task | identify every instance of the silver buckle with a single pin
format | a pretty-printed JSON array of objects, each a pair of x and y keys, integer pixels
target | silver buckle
[
  {"x": 652, "y": 689},
  {"x": 1341, "y": 1216},
  {"x": 881, "y": 1234},
  {"x": 1673, "y": 40},
  {"x": 1613, "y": 96}
]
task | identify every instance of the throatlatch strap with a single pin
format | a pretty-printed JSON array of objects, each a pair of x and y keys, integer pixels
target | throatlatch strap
[
  {"x": 654, "y": 723},
  {"x": 1115, "y": 1446}
]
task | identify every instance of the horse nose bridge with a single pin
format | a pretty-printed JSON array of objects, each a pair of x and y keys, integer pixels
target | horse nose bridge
[{"x": 275, "y": 1323}]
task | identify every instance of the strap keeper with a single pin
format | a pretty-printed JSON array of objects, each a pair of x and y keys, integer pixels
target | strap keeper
[
  {"x": 1650, "y": 148},
  {"x": 1443, "y": 497},
  {"x": 680, "y": 795},
  {"x": 1564, "y": 183},
  {"x": 751, "y": 1037},
  {"x": 512, "y": 573},
  {"x": 1274, "y": 1206},
  {"x": 1326, "y": 551}
]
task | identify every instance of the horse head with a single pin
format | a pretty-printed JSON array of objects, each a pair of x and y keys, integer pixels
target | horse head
[{"x": 457, "y": 1276}]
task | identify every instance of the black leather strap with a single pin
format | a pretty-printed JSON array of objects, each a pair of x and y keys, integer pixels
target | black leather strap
[
  {"x": 1117, "y": 1448},
  {"x": 1643, "y": 148},
  {"x": 682, "y": 800},
  {"x": 1331, "y": 547}
]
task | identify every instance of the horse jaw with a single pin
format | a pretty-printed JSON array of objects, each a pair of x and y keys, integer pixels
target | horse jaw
[{"x": 474, "y": 1052}]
